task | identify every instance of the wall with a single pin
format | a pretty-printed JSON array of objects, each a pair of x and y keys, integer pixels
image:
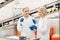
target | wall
[
  {"x": 33, "y": 3},
  {"x": 1, "y": 1},
  {"x": 6, "y": 11}
]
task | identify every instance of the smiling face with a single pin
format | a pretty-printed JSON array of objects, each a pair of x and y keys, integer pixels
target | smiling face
[
  {"x": 26, "y": 11},
  {"x": 41, "y": 12}
]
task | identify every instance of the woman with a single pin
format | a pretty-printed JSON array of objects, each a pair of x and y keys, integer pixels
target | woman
[{"x": 43, "y": 25}]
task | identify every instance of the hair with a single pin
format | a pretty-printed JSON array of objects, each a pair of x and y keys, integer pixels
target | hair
[
  {"x": 43, "y": 9},
  {"x": 25, "y": 8}
]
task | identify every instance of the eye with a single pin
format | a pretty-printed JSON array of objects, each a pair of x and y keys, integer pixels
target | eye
[
  {"x": 39, "y": 12},
  {"x": 26, "y": 10}
]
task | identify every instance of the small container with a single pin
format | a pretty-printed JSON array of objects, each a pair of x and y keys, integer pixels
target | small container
[{"x": 22, "y": 38}]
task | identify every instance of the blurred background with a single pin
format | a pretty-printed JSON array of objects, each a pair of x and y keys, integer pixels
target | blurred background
[{"x": 11, "y": 11}]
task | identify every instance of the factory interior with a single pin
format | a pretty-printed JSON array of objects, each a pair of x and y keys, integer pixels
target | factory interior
[{"x": 11, "y": 11}]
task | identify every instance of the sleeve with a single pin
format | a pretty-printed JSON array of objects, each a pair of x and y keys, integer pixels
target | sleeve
[
  {"x": 19, "y": 25},
  {"x": 18, "y": 28},
  {"x": 45, "y": 27}
]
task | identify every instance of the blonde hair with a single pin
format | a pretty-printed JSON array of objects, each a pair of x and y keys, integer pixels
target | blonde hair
[{"x": 43, "y": 9}]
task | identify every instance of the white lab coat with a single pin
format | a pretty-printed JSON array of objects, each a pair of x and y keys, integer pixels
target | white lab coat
[
  {"x": 43, "y": 28},
  {"x": 24, "y": 26}
]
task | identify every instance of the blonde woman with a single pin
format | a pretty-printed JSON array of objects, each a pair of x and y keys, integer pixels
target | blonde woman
[{"x": 43, "y": 25}]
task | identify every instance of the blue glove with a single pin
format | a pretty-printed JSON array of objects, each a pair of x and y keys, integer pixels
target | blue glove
[{"x": 33, "y": 27}]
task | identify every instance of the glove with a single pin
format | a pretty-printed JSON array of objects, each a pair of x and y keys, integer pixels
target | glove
[{"x": 33, "y": 27}]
